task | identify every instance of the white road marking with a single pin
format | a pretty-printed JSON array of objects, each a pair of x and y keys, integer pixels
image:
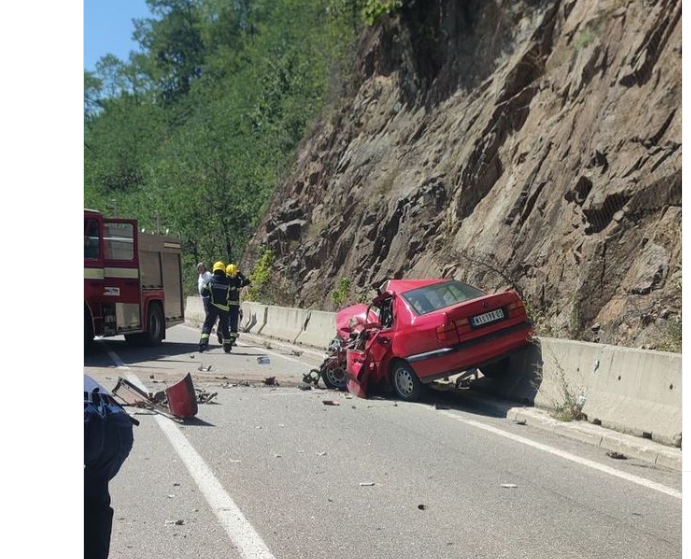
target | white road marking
[
  {"x": 241, "y": 533},
  {"x": 568, "y": 456}
]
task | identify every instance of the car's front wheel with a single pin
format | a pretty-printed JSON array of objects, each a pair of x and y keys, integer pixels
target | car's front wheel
[
  {"x": 334, "y": 378},
  {"x": 405, "y": 382}
]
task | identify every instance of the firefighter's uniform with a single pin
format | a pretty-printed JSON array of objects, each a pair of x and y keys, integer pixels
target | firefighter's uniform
[
  {"x": 237, "y": 282},
  {"x": 217, "y": 290}
]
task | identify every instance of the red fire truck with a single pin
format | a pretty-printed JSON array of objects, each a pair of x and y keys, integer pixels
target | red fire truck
[{"x": 132, "y": 281}]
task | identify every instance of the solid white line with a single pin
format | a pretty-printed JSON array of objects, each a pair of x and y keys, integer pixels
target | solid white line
[
  {"x": 241, "y": 533},
  {"x": 568, "y": 456}
]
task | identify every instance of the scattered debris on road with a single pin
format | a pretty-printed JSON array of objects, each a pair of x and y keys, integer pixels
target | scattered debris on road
[
  {"x": 366, "y": 483},
  {"x": 263, "y": 360},
  {"x": 204, "y": 397},
  {"x": 203, "y": 368},
  {"x": 422, "y": 507},
  {"x": 321, "y": 453},
  {"x": 176, "y": 484},
  {"x": 278, "y": 456},
  {"x": 151, "y": 376},
  {"x": 617, "y": 455},
  {"x": 330, "y": 403},
  {"x": 171, "y": 496},
  {"x": 304, "y": 386},
  {"x": 296, "y": 352},
  {"x": 312, "y": 377},
  {"x": 509, "y": 485},
  {"x": 179, "y": 522},
  {"x": 271, "y": 381}
]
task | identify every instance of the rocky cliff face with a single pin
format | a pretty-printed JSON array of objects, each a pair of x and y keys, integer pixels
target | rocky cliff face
[{"x": 533, "y": 144}]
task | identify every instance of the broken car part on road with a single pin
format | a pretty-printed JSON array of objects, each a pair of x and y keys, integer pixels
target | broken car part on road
[{"x": 178, "y": 401}]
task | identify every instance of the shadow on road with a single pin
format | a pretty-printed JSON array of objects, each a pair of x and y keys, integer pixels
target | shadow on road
[
  {"x": 97, "y": 356},
  {"x": 196, "y": 422}
]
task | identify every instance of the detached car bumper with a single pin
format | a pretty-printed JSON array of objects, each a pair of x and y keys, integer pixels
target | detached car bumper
[{"x": 469, "y": 354}]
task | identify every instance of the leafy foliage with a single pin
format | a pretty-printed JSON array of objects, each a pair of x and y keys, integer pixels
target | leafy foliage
[
  {"x": 342, "y": 293},
  {"x": 198, "y": 126},
  {"x": 261, "y": 276}
]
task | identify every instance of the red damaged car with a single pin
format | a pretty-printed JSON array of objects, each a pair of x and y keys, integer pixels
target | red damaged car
[{"x": 417, "y": 331}]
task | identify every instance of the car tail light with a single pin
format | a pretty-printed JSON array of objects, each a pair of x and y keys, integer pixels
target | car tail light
[
  {"x": 516, "y": 308},
  {"x": 447, "y": 332},
  {"x": 463, "y": 326}
]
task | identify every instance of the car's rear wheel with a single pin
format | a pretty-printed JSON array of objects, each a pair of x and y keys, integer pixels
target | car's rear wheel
[
  {"x": 405, "y": 382},
  {"x": 498, "y": 369},
  {"x": 335, "y": 378}
]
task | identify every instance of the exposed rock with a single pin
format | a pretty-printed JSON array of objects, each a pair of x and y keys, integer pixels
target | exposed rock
[{"x": 529, "y": 144}]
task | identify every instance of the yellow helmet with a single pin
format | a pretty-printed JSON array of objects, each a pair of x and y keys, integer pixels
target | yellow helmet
[
  {"x": 219, "y": 266},
  {"x": 231, "y": 269}
]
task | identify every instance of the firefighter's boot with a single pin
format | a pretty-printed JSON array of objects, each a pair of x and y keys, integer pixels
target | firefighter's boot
[
  {"x": 227, "y": 346},
  {"x": 233, "y": 338},
  {"x": 203, "y": 343}
]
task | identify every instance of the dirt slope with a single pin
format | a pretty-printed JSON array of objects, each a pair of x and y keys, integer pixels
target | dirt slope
[{"x": 534, "y": 144}]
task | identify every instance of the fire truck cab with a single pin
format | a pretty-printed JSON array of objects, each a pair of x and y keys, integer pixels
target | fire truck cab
[{"x": 132, "y": 281}]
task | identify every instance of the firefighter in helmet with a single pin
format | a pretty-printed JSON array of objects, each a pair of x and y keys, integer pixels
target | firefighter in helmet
[
  {"x": 237, "y": 282},
  {"x": 217, "y": 291}
]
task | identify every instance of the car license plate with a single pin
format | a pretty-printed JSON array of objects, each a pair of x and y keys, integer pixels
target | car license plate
[{"x": 488, "y": 317}]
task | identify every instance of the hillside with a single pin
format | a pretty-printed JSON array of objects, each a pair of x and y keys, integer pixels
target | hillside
[{"x": 525, "y": 144}]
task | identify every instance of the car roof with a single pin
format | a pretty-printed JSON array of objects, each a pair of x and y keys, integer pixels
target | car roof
[{"x": 403, "y": 285}]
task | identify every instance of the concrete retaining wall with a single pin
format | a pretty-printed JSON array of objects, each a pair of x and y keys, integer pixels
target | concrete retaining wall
[
  {"x": 320, "y": 329},
  {"x": 284, "y": 323},
  {"x": 629, "y": 390}
]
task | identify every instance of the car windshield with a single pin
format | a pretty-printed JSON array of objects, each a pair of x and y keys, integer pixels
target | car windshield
[{"x": 440, "y": 295}]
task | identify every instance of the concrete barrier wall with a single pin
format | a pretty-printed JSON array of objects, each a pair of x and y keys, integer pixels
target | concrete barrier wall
[
  {"x": 284, "y": 323},
  {"x": 320, "y": 330},
  {"x": 194, "y": 310},
  {"x": 253, "y": 317},
  {"x": 629, "y": 390}
]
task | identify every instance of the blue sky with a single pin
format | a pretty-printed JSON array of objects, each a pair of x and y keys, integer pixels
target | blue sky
[{"x": 108, "y": 28}]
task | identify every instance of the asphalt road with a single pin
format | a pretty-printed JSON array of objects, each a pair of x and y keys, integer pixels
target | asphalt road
[{"x": 274, "y": 472}]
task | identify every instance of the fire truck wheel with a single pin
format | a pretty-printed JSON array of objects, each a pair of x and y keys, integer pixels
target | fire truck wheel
[
  {"x": 88, "y": 331},
  {"x": 155, "y": 325}
]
